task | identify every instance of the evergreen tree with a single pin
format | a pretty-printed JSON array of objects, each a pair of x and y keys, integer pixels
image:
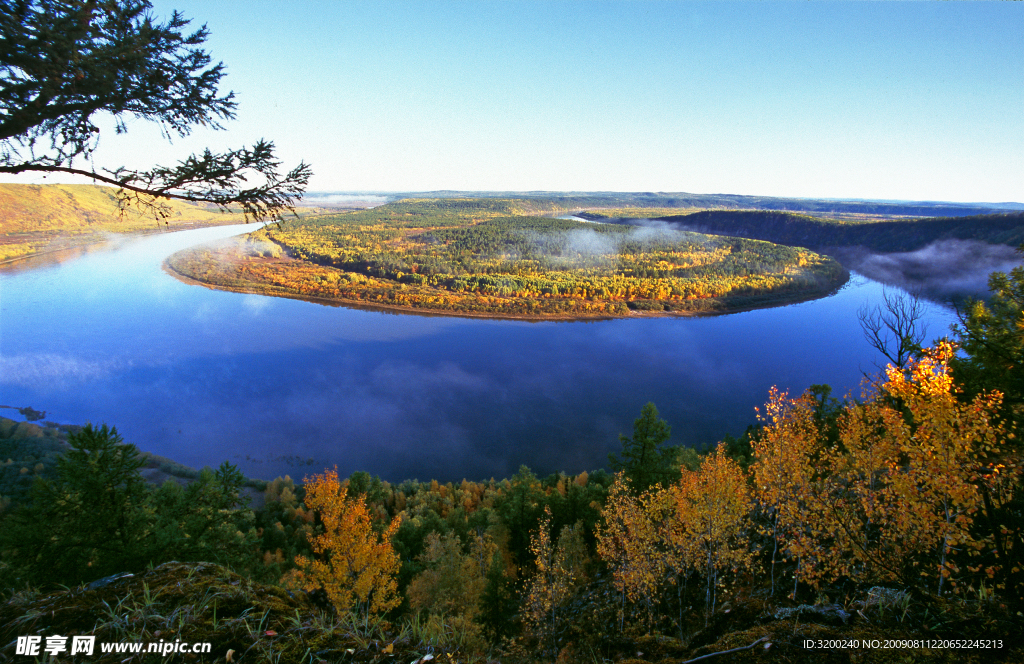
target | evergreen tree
[
  {"x": 90, "y": 521},
  {"x": 644, "y": 460},
  {"x": 202, "y": 522},
  {"x": 63, "y": 63},
  {"x": 991, "y": 337},
  {"x": 520, "y": 509}
]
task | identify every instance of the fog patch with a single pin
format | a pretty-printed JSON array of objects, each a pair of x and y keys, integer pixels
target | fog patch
[
  {"x": 585, "y": 245},
  {"x": 262, "y": 248},
  {"x": 33, "y": 369},
  {"x": 656, "y": 231},
  {"x": 588, "y": 243},
  {"x": 941, "y": 271},
  {"x": 344, "y": 200}
]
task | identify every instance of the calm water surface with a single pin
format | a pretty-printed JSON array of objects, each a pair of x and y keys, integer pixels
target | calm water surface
[{"x": 284, "y": 386}]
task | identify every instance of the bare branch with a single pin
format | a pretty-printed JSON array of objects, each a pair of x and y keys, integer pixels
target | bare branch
[
  {"x": 894, "y": 328},
  {"x": 725, "y": 652}
]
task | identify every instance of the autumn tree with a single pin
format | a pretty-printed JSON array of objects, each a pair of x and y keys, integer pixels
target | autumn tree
[
  {"x": 784, "y": 471},
  {"x": 712, "y": 519},
  {"x": 911, "y": 453},
  {"x": 453, "y": 580},
  {"x": 354, "y": 565},
  {"x": 286, "y": 527},
  {"x": 895, "y": 497},
  {"x": 560, "y": 568},
  {"x": 630, "y": 544},
  {"x": 64, "y": 65},
  {"x": 680, "y": 556}
]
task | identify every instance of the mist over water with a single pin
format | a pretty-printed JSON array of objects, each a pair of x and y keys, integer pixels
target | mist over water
[
  {"x": 942, "y": 271},
  {"x": 283, "y": 386}
]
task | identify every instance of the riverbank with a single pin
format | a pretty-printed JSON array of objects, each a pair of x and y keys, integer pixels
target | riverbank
[
  {"x": 47, "y": 220},
  {"x": 60, "y": 248}
]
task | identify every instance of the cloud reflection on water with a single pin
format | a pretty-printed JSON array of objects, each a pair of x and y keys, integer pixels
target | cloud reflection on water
[{"x": 273, "y": 384}]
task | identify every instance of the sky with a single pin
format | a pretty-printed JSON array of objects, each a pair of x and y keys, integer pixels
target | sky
[{"x": 877, "y": 100}]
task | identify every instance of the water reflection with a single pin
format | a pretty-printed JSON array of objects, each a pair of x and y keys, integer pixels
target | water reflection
[{"x": 285, "y": 386}]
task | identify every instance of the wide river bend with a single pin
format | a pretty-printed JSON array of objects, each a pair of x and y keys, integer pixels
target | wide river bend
[{"x": 282, "y": 386}]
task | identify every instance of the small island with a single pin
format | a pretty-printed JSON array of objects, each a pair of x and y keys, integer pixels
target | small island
[{"x": 502, "y": 258}]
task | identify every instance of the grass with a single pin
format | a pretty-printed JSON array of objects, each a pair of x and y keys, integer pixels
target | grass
[
  {"x": 203, "y": 602},
  {"x": 42, "y": 218}
]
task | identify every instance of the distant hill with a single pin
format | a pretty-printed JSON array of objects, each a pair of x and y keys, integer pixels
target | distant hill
[
  {"x": 583, "y": 200},
  {"x": 33, "y": 217},
  {"x": 881, "y": 236}
]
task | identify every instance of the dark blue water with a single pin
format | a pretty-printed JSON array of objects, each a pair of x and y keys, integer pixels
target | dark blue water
[{"x": 284, "y": 386}]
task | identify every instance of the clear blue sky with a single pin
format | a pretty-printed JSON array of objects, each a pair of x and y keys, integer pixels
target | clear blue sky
[{"x": 920, "y": 100}]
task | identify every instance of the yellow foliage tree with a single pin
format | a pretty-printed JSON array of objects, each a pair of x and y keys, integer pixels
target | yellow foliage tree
[
  {"x": 630, "y": 543},
  {"x": 712, "y": 519},
  {"x": 912, "y": 454},
  {"x": 896, "y": 496},
  {"x": 560, "y": 569},
  {"x": 355, "y": 566},
  {"x": 785, "y": 482}
]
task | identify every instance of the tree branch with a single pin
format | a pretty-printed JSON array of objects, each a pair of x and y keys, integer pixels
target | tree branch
[
  {"x": 96, "y": 176},
  {"x": 725, "y": 652},
  {"x": 894, "y": 328},
  {"x": 61, "y": 63}
]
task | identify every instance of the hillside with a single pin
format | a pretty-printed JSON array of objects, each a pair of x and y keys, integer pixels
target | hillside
[
  {"x": 578, "y": 200},
  {"x": 883, "y": 236},
  {"x": 37, "y": 218}
]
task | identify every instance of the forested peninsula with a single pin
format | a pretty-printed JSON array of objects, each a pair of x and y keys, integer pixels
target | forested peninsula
[{"x": 499, "y": 257}]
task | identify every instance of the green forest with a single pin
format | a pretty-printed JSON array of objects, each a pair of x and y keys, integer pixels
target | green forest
[
  {"x": 496, "y": 257},
  {"x": 893, "y": 517},
  {"x": 881, "y": 235}
]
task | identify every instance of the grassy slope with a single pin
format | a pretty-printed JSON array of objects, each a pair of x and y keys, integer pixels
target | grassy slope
[
  {"x": 34, "y": 217},
  {"x": 246, "y": 621}
]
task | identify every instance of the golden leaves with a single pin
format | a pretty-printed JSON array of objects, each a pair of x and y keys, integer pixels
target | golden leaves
[
  {"x": 630, "y": 541},
  {"x": 354, "y": 565},
  {"x": 895, "y": 493}
]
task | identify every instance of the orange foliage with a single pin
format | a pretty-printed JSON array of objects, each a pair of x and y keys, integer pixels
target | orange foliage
[
  {"x": 898, "y": 493},
  {"x": 354, "y": 565},
  {"x": 711, "y": 519}
]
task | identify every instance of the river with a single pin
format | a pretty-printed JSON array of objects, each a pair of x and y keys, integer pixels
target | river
[{"x": 281, "y": 386}]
